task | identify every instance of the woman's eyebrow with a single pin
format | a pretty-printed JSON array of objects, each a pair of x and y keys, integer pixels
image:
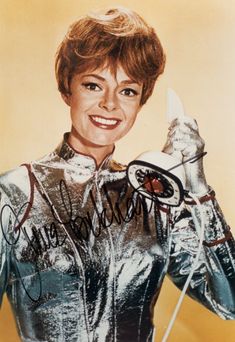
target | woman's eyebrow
[
  {"x": 95, "y": 76},
  {"x": 129, "y": 82},
  {"x": 100, "y": 78}
]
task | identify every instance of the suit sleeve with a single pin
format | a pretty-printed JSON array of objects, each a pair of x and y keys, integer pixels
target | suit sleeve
[
  {"x": 4, "y": 243},
  {"x": 16, "y": 196},
  {"x": 213, "y": 281}
]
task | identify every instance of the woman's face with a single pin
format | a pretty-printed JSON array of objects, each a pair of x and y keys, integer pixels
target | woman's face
[{"x": 103, "y": 106}]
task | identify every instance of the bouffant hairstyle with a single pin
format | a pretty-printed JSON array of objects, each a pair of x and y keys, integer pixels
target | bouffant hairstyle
[{"x": 120, "y": 36}]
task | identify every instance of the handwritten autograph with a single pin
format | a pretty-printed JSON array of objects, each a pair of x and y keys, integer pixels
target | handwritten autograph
[{"x": 43, "y": 239}]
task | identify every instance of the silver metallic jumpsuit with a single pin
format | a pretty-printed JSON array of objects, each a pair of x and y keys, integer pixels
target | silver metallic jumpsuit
[{"x": 83, "y": 256}]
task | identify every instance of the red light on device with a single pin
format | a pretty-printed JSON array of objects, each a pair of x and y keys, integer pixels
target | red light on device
[{"x": 153, "y": 185}]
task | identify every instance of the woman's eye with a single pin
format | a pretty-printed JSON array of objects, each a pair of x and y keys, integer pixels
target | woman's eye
[
  {"x": 91, "y": 86},
  {"x": 129, "y": 92}
]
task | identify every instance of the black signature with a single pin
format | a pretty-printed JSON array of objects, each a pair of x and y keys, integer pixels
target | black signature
[
  {"x": 78, "y": 227},
  {"x": 38, "y": 241},
  {"x": 83, "y": 226}
]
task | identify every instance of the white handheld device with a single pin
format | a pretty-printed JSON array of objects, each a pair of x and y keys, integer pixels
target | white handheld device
[
  {"x": 161, "y": 177},
  {"x": 158, "y": 175}
]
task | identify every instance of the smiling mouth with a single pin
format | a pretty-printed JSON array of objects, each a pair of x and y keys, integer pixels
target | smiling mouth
[{"x": 101, "y": 122}]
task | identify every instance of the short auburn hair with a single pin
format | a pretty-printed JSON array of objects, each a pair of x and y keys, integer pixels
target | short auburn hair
[{"x": 120, "y": 36}]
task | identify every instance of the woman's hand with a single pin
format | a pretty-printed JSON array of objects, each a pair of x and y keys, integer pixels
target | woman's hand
[{"x": 183, "y": 142}]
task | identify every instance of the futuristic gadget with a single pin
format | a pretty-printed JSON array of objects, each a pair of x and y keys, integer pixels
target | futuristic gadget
[
  {"x": 157, "y": 175},
  {"x": 161, "y": 177}
]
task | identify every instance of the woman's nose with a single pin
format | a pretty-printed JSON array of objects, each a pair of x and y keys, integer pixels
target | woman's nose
[{"x": 109, "y": 101}]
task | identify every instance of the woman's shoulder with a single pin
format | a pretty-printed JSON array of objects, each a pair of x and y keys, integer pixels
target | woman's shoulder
[
  {"x": 14, "y": 176},
  {"x": 14, "y": 183},
  {"x": 19, "y": 175}
]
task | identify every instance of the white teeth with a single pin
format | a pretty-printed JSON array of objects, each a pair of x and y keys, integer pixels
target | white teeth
[{"x": 104, "y": 121}]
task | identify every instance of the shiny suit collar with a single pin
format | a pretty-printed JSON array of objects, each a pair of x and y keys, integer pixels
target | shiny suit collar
[{"x": 78, "y": 159}]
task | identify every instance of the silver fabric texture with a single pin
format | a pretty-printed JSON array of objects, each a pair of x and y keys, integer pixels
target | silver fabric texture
[{"x": 83, "y": 256}]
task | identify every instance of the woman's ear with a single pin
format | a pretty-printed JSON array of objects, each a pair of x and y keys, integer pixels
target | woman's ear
[{"x": 66, "y": 99}]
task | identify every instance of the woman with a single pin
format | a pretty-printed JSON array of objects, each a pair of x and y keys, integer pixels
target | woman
[{"x": 83, "y": 255}]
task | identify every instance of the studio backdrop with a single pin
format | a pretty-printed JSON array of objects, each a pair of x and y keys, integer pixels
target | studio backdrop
[{"x": 198, "y": 39}]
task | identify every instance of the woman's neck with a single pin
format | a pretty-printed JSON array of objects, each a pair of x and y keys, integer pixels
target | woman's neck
[{"x": 96, "y": 151}]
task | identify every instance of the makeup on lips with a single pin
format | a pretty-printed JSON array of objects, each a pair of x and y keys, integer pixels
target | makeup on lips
[{"x": 104, "y": 123}]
